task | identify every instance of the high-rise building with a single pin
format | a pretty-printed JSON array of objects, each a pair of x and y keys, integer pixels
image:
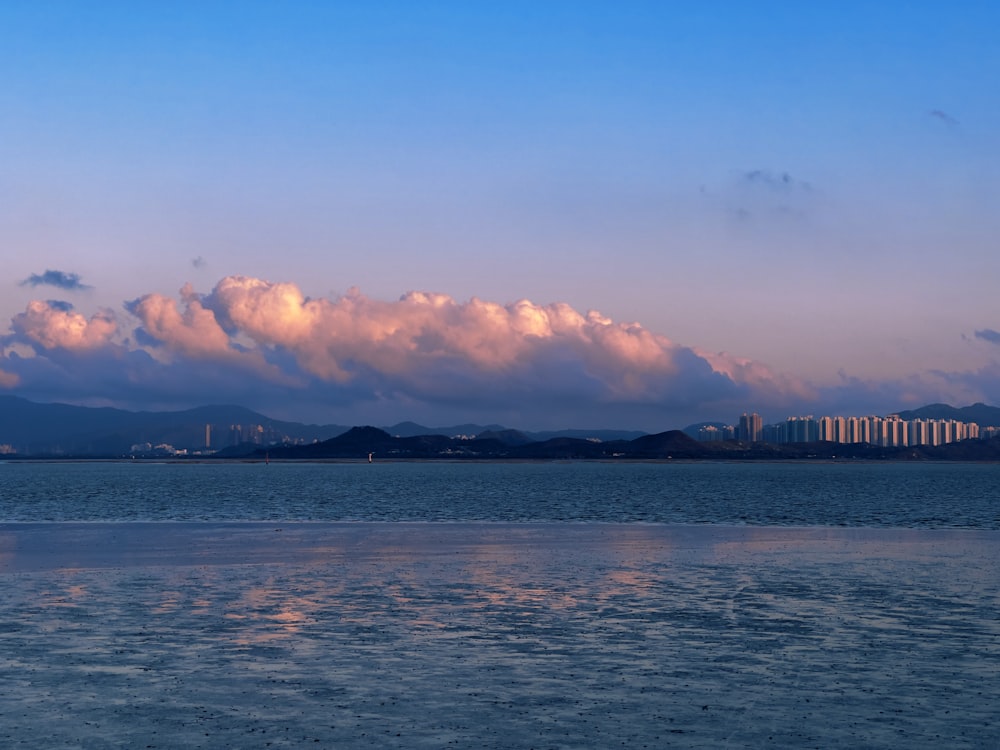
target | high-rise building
[
  {"x": 773, "y": 433},
  {"x": 891, "y": 431},
  {"x": 801, "y": 430},
  {"x": 840, "y": 430},
  {"x": 919, "y": 432},
  {"x": 827, "y": 430},
  {"x": 750, "y": 427}
]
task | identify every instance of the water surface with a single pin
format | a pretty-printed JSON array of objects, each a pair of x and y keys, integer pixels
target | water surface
[{"x": 907, "y": 495}]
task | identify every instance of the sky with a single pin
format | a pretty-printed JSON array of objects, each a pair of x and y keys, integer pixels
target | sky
[{"x": 552, "y": 214}]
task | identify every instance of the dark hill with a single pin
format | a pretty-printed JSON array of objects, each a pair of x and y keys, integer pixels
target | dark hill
[
  {"x": 981, "y": 414},
  {"x": 604, "y": 436},
  {"x": 357, "y": 442},
  {"x": 670, "y": 444},
  {"x": 565, "y": 448},
  {"x": 361, "y": 435},
  {"x": 24, "y": 422},
  {"x": 62, "y": 429},
  {"x": 412, "y": 429},
  {"x": 964, "y": 450},
  {"x": 507, "y": 437}
]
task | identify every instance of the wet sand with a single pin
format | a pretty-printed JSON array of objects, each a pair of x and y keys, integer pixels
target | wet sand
[{"x": 497, "y": 635}]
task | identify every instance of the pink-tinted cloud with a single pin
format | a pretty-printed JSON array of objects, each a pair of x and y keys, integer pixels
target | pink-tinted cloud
[
  {"x": 429, "y": 346},
  {"x": 193, "y": 332},
  {"x": 50, "y": 325},
  {"x": 394, "y": 336},
  {"x": 267, "y": 345},
  {"x": 190, "y": 331},
  {"x": 756, "y": 374}
]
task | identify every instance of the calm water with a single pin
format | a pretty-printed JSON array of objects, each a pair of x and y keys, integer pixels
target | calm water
[
  {"x": 925, "y": 495},
  {"x": 687, "y": 618}
]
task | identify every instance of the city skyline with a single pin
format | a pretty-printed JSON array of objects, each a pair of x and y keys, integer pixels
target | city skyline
[
  {"x": 889, "y": 431},
  {"x": 553, "y": 215}
]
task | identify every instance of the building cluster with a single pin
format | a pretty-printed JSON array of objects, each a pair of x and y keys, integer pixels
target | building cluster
[
  {"x": 890, "y": 431},
  {"x": 257, "y": 434},
  {"x": 160, "y": 450}
]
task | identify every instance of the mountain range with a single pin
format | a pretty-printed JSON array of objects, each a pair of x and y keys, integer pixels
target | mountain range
[
  {"x": 981, "y": 414},
  {"x": 61, "y": 430},
  {"x": 28, "y": 428},
  {"x": 375, "y": 444}
]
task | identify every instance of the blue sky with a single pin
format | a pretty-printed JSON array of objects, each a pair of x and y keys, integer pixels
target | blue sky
[{"x": 792, "y": 207}]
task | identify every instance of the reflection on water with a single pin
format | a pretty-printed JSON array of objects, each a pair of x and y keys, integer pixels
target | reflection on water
[
  {"x": 497, "y": 636},
  {"x": 269, "y": 611}
]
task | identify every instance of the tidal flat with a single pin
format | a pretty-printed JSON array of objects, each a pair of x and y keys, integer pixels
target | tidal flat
[{"x": 501, "y": 635}]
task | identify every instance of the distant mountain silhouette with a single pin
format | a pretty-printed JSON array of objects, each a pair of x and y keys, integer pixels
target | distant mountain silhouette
[
  {"x": 61, "y": 429},
  {"x": 412, "y": 429},
  {"x": 35, "y": 429},
  {"x": 601, "y": 435},
  {"x": 52, "y": 430},
  {"x": 981, "y": 414},
  {"x": 359, "y": 441},
  {"x": 673, "y": 443},
  {"x": 563, "y": 448},
  {"x": 507, "y": 437},
  {"x": 670, "y": 445}
]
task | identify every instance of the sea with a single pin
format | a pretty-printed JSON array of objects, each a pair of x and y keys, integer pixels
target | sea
[
  {"x": 499, "y": 605},
  {"x": 862, "y": 494}
]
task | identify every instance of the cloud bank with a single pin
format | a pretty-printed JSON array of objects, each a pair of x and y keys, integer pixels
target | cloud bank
[{"x": 424, "y": 356}]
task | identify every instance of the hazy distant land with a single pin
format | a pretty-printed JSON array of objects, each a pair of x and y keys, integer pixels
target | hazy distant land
[{"x": 33, "y": 430}]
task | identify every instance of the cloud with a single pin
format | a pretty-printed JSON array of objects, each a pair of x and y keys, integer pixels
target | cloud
[
  {"x": 193, "y": 332},
  {"x": 199, "y": 262},
  {"x": 432, "y": 346},
  {"x": 50, "y": 326},
  {"x": 943, "y": 117},
  {"x": 857, "y": 396},
  {"x": 190, "y": 331},
  {"x": 780, "y": 182},
  {"x": 988, "y": 334},
  {"x": 61, "y": 279},
  {"x": 425, "y": 351},
  {"x": 764, "y": 198},
  {"x": 960, "y": 387},
  {"x": 424, "y": 356}
]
